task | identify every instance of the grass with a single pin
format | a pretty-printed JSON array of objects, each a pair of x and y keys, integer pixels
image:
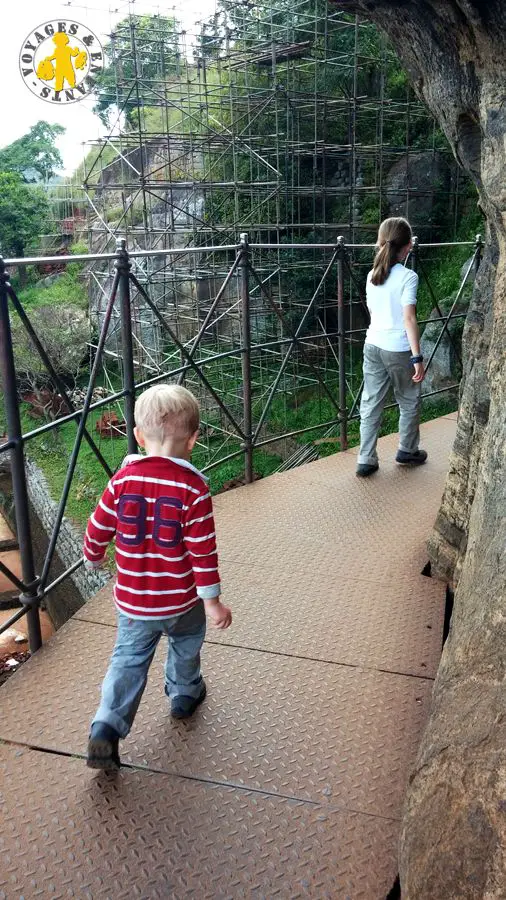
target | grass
[
  {"x": 69, "y": 288},
  {"x": 51, "y": 452},
  {"x": 316, "y": 410},
  {"x": 442, "y": 268},
  {"x": 443, "y": 275}
]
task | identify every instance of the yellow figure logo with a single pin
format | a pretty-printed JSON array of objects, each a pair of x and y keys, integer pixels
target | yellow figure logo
[
  {"x": 60, "y": 65},
  {"x": 60, "y": 61}
]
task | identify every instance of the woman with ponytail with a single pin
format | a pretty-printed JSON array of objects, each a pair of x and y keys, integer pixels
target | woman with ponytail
[{"x": 392, "y": 356}]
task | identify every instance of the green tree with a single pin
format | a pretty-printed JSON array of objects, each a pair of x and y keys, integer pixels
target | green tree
[
  {"x": 64, "y": 331},
  {"x": 145, "y": 47},
  {"x": 24, "y": 211},
  {"x": 34, "y": 156}
]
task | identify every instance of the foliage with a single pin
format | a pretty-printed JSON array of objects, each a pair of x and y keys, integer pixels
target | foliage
[
  {"x": 155, "y": 41},
  {"x": 371, "y": 213},
  {"x": 24, "y": 211},
  {"x": 63, "y": 331},
  {"x": 442, "y": 269},
  {"x": 79, "y": 248},
  {"x": 68, "y": 288},
  {"x": 34, "y": 156}
]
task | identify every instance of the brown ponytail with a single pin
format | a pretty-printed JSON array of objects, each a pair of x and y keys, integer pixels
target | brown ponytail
[{"x": 393, "y": 235}]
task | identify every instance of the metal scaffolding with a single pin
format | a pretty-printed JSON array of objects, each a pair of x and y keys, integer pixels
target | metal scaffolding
[
  {"x": 291, "y": 121},
  {"x": 253, "y": 128}
]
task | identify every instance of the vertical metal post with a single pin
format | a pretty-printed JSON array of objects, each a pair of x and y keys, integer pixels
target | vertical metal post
[
  {"x": 246, "y": 358},
  {"x": 123, "y": 266},
  {"x": 414, "y": 254},
  {"x": 341, "y": 347},
  {"x": 29, "y": 597}
]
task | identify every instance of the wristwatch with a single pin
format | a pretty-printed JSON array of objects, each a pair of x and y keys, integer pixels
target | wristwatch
[{"x": 416, "y": 359}]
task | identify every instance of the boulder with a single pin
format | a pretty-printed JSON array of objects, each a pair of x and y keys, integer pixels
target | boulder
[
  {"x": 445, "y": 368},
  {"x": 64, "y": 332},
  {"x": 425, "y": 177},
  {"x": 50, "y": 279}
]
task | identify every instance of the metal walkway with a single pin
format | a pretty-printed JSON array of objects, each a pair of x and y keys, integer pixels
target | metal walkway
[{"x": 289, "y": 780}]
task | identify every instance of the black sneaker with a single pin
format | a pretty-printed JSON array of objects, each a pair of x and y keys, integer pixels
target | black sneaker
[
  {"x": 182, "y": 707},
  {"x": 103, "y": 748},
  {"x": 411, "y": 459},
  {"x": 364, "y": 470}
]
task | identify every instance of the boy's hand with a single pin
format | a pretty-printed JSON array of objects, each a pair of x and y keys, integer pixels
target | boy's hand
[
  {"x": 220, "y": 615},
  {"x": 419, "y": 373}
]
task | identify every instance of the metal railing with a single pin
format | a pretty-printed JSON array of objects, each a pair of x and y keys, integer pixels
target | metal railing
[{"x": 295, "y": 349}]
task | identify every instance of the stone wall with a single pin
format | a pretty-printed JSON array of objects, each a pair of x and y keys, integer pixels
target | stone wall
[
  {"x": 69, "y": 549},
  {"x": 418, "y": 186}
]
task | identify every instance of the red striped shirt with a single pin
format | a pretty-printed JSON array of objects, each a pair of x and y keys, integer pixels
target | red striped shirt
[{"x": 161, "y": 512}]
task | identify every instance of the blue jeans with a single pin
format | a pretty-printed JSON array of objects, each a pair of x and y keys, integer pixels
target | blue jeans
[{"x": 133, "y": 653}]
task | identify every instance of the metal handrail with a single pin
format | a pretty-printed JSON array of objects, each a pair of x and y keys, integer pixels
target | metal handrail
[
  {"x": 191, "y": 251},
  {"x": 34, "y": 587}
]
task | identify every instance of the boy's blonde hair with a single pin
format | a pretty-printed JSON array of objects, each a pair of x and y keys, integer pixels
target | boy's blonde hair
[{"x": 167, "y": 411}]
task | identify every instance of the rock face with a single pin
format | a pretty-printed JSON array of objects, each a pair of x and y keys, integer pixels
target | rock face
[
  {"x": 443, "y": 354},
  {"x": 184, "y": 301},
  {"x": 442, "y": 372},
  {"x": 421, "y": 177},
  {"x": 453, "y": 844}
]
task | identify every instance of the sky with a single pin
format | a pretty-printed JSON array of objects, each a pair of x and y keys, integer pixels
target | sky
[{"x": 21, "y": 109}]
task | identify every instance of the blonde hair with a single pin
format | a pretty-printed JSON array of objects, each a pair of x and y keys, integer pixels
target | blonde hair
[
  {"x": 393, "y": 235},
  {"x": 167, "y": 411}
]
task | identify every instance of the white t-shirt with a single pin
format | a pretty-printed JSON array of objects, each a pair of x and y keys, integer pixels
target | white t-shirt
[{"x": 385, "y": 303}]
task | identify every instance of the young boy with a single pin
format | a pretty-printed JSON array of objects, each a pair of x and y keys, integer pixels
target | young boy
[{"x": 160, "y": 510}]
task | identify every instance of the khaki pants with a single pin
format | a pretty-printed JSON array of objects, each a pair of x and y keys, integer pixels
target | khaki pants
[{"x": 383, "y": 370}]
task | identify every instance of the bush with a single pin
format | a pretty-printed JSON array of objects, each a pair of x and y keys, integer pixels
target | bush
[{"x": 63, "y": 330}]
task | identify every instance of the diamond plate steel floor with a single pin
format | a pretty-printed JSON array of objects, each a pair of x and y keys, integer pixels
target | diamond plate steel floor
[{"x": 289, "y": 780}]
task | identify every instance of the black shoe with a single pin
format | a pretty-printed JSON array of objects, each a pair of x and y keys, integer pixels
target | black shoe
[
  {"x": 364, "y": 470},
  {"x": 411, "y": 459},
  {"x": 182, "y": 707},
  {"x": 103, "y": 748}
]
